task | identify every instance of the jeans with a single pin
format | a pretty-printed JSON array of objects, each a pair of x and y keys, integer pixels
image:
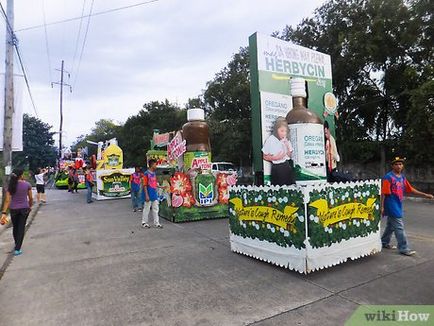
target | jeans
[
  {"x": 135, "y": 198},
  {"x": 147, "y": 208},
  {"x": 396, "y": 225},
  {"x": 89, "y": 194},
  {"x": 19, "y": 218}
]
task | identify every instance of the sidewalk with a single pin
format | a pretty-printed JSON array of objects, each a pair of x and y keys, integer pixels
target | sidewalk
[{"x": 94, "y": 265}]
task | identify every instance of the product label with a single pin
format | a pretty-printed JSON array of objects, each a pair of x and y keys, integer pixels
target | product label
[
  {"x": 273, "y": 106},
  {"x": 206, "y": 194},
  {"x": 307, "y": 140},
  {"x": 197, "y": 160},
  {"x": 115, "y": 185}
]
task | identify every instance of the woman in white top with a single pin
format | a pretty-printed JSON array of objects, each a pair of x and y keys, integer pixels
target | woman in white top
[
  {"x": 40, "y": 186},
  {"x": 277, "y": 149}
]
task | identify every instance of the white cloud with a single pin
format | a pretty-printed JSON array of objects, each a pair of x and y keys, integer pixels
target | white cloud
[{"x": 168, "y": 49}]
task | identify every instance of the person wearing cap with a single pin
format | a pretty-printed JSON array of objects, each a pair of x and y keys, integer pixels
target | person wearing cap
[{"x": 394, "y": 185}]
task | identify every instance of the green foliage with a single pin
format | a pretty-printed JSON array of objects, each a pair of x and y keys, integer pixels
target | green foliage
[
  {"x": 320, "y": 236},
  {"x": 38, "y": 145},
  {"x": 105, "y": 129},
  {"x": 381, "y": 56},
  {"x": 277, "y": 199},
  {"x": 136, "y": 134},
  {"x": 227, "y": 103}
]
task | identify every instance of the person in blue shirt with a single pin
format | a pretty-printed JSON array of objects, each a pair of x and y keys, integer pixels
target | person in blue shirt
[
  {"x": 394, "y": 185},
  {"x": 150, "y": 188}
]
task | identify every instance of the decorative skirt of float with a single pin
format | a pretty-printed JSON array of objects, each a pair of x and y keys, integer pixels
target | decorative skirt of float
[
  {"x": 306, "y": 228},
  {"x": 180, "y": 199}
]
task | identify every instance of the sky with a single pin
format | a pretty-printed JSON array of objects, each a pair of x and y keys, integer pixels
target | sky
[{"x": 165, "y": 49}]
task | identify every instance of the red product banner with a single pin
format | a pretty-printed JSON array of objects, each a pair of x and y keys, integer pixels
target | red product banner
[
  {"x": 161, "y": 139},
  {"x": 176, "y": 147}
]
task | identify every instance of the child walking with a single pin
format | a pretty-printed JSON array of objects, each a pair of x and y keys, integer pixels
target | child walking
[
  {"x": 150, "y": 186},
  {"x": 392, "y": 190}
]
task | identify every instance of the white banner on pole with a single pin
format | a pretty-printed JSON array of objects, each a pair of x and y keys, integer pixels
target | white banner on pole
[{"x": 17, "y": 120}]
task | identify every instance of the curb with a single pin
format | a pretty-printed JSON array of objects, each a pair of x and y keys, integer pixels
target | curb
[
  {"x": 419, "y": 200},
  {"x": 10, "y": 256}
]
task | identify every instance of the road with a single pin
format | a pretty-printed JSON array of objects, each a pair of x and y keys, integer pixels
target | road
[{"x": 94, "y": 265}]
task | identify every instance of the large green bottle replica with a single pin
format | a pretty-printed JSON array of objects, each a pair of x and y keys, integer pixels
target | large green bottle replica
[
  {"x": 306, "y": 133},
  {"x": 197, "y": 158}
]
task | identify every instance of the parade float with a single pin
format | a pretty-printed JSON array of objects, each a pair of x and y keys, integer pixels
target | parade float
[
  {"x": 189, "y": 190},
  {"x": 112, "y": 180},
  {"x": 312, "y": 224},
  {"x": 65, "y": 164}
]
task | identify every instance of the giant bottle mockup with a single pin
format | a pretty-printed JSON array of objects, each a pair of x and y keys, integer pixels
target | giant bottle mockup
[
  {"x": 197, "y": 158},
  {"x": 306, "y": 133}
]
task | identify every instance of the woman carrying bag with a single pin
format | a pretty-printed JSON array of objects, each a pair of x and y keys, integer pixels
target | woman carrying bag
[{"x": 19, "y": 200}]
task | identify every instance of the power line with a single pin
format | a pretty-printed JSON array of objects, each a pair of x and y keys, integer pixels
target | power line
[
  {"x": 20, "y": 59},
  {"x": 84, "y": 42},
  {"x": 86, "y": 16},
  {"x": 23, "y": 69},
  {"x": 78, "y": 35},
  {"x": 46, "y": 40}
]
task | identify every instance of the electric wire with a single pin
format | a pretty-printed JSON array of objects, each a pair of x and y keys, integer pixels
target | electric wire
[
  {"x": 46, "y": 40},
  {"x": 26, "y": 79},
  {"x": 20, "y": 59},
  {"x": 78, "y": 36},
  {"x": 84, "y": 43},
  {"x": 86, "y": 16}
]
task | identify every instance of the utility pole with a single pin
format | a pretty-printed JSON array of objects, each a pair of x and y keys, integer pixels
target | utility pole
[
  {"x": 61, "y": 84},
  {"x": 9, "y": 94}
]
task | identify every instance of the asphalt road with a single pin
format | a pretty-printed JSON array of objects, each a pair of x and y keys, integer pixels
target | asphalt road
[{"x": 94, "y": 265}]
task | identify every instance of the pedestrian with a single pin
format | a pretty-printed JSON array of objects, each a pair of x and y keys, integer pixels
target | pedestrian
[
  {"x": 90, "y": 183},
  {"x": 19, "y": 201},
  {"x": 150, "y": 186},
  {"x": 76, "y": 180},
  {"x": 40, "y": 186},
  {"x": 70, "y": 179},
  {"x": 394, "y": 185},
  {"x": 135, "y": 183},
  {"x": 332, "y": 155}
]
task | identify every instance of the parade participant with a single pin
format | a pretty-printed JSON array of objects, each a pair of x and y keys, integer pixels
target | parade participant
[
  {"x": 395, "y": 184},
  {"x": 277, "y": 149},
  {"x": 76, "y": 180},
  {"x": 150, "y": 186},
  {"x": 332, "y": 155},
  {"x": 89, "y": 184},
  {"x": 70, "y": 179},
  {"x": 135, "y": 184},
  {"x": 40, "y": 186},
  {"x": 19, "y": 200}
]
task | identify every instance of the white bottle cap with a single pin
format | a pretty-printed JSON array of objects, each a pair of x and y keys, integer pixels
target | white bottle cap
[
  {"x": 298, "y": 87},
  {"x": 195, "y": 114}
]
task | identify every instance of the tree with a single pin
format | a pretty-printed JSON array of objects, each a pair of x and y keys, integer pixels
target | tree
[
  {"x": 380, "y": 54},
  {"x": 38, "y": 145},
  {"x": 227, "y": 103},
  {"x": 105, "y": 129},
  {"x": 136, "y": 134}
]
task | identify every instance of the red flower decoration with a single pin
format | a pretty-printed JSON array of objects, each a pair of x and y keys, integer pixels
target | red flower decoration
[
  {"x": 188, "y": 200},
  {"x": 223, "y": 195},
  {"x": 180, "y": 183},
  {"x": 222, "y": 180}
]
